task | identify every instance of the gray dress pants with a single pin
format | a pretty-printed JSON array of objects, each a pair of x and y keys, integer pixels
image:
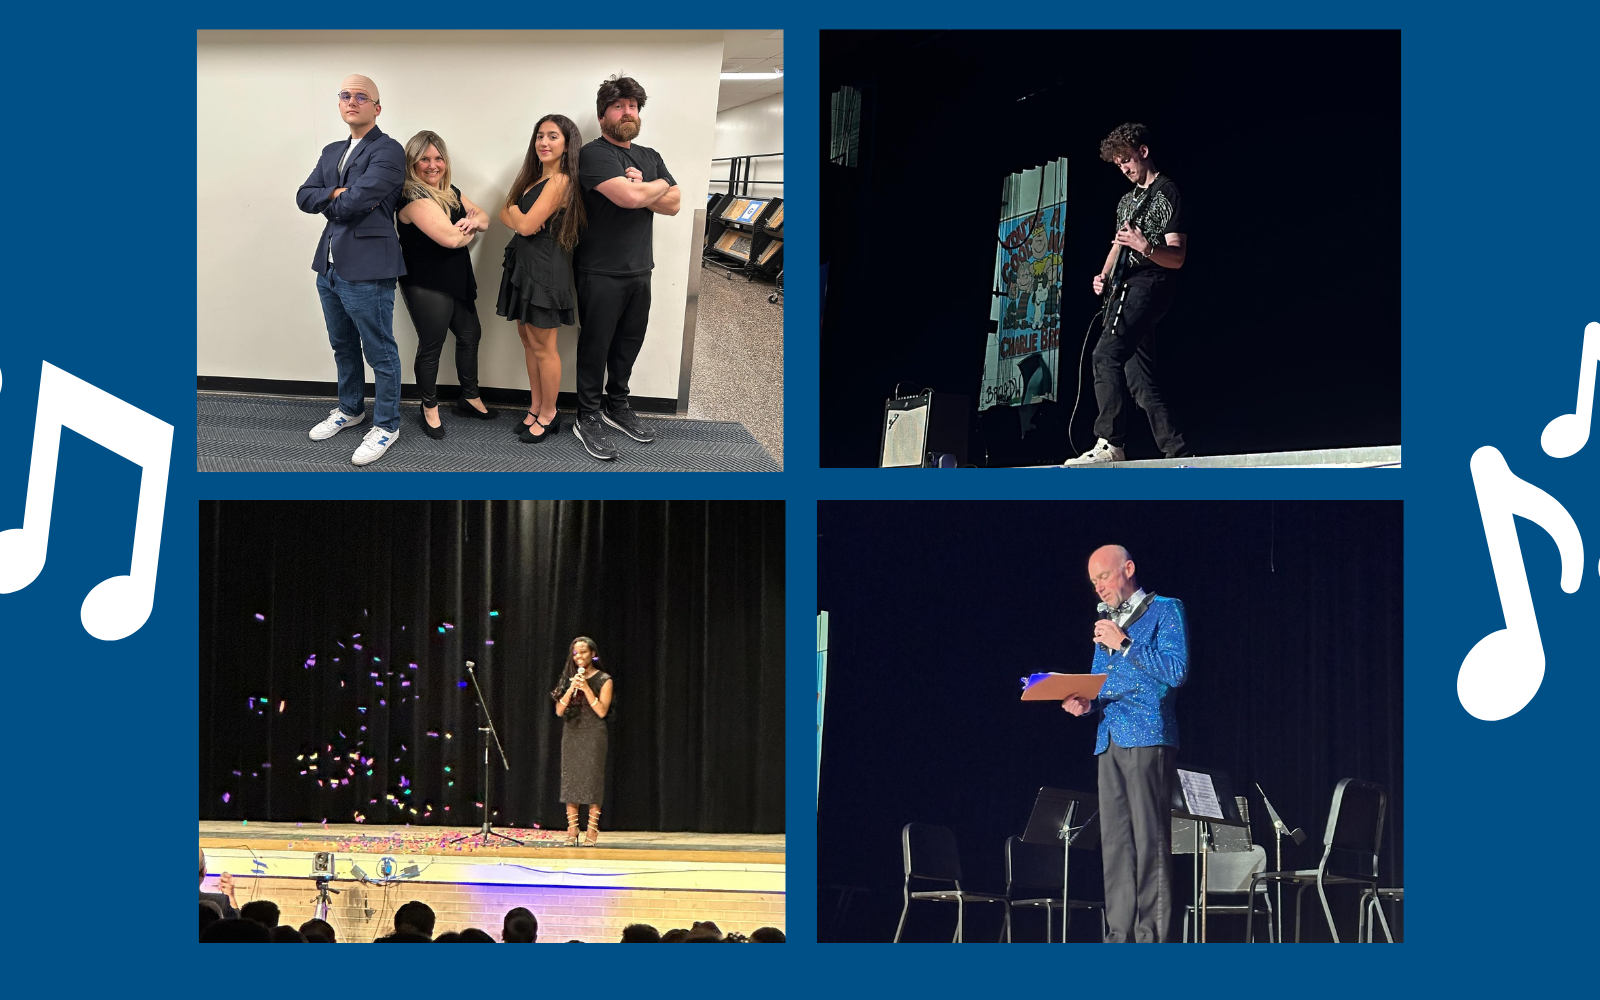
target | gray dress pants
[{"x": 1136, "y": 841}]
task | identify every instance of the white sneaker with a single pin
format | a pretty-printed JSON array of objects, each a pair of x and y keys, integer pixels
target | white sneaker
[
  {"x": 337, "y": 421},
  {"x": 1103, "y": 451},
  {"x": 373, "y": 446}
]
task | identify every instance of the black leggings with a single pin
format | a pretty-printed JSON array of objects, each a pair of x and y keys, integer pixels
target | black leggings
[{"x": 432, "y": 313}]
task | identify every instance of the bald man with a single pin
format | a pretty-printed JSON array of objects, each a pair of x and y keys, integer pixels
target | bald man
[
  {"x": 356, "y": 186},
  {"x": 1141, "y": 645}
]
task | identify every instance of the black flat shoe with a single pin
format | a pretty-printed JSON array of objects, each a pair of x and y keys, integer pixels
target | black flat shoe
[
  {"x": 437, "y": 433},
  {"x": 466, "y": 409},
  {"x": 526, "y": 435}
]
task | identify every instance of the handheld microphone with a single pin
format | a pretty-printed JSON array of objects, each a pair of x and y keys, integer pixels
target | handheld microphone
[{"x": 1104, "y": 614}]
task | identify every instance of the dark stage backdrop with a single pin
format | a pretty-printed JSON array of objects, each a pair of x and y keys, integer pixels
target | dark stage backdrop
[
  {"x": 683, "y": 598},
  {"x": 937, "y": 609},
  {"x": 1285, "y": 331}
]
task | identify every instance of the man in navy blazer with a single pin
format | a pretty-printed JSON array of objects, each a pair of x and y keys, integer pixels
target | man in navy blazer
[{"x": 356, "y": 186}]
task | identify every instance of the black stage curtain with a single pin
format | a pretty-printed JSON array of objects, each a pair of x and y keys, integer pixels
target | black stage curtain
[
  {"x": 937, "y": 609},
  {"x": 684, "y": 600}
]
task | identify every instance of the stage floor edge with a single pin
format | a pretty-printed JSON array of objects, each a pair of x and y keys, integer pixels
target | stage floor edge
[
  {"x": 1383, "y": 457},
  {"x": 663, "y": 879}
]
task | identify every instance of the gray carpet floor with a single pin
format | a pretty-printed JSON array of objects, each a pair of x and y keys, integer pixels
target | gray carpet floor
[
  {"x": 237, "y": 432},
  {"x": 738, "y": 357}
]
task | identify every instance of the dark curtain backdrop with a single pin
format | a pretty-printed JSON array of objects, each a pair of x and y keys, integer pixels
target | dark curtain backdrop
[
  {"x": 1294, "y": 614},
  {"x": 684, "y": 600}
]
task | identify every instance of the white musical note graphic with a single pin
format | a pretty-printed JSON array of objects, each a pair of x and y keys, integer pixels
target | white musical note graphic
[
  {"x": 1564, "y": 436},
  {"x": 1502, "y": 673},
  {"x": 119, "y": 606}
]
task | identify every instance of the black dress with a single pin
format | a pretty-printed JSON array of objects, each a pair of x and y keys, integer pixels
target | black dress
[
  {"x": 536, "y": 287},
  {"x": 583, "y": 748}
]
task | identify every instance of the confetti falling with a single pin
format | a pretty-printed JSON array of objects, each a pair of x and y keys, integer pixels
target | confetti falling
[
  {"x": 227, "y": 795},
  {"x": 260, "y": 617}
]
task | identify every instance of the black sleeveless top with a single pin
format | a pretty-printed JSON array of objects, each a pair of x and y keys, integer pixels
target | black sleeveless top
[{"x": 429, "y": 265}]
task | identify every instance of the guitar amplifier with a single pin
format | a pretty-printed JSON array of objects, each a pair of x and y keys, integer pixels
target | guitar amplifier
[{"x": 918, "y": 430}]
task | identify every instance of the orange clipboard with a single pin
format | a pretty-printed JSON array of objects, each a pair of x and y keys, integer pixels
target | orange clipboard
[{"x": 1060, "y": 687}]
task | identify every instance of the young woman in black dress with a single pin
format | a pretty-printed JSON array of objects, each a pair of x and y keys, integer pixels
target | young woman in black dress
[
  {"x": 583, "y": 699},
  {"x": 437, "y": 223},
  {"x": 545, "y": 210}
]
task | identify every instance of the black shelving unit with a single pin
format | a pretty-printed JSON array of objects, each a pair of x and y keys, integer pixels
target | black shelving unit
[{"x": 744, "y": 230}]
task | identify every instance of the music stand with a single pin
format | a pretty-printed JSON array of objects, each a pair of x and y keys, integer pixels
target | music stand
[
  {"x": 1052, "y": 818},
  {"x": 1204, "y": 795}
]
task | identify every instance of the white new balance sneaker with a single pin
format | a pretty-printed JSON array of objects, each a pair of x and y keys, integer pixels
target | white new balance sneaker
[
  {"x": 337, "y": 421},
  {"x": 373, "y": 446},
  {"x": 1103, "y": 451}
]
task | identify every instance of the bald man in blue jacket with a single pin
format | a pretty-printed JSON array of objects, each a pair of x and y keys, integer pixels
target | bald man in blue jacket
[{"x": 1142, "y": 646}]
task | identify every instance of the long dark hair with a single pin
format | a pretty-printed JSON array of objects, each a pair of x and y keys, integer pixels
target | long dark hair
[
  {"x": 570, "y": 217},
  {"x": 571, "y": 668}
]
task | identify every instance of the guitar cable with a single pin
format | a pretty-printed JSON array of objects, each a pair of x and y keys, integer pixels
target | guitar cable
[{"x": 1078, "y": 397}]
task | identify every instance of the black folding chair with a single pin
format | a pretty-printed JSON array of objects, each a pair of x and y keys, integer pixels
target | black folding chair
[
  {"x": 1349, "y": 854},
  {"x": 1372, "y": 903},
  {"x": 1228, "y": 873},
  {"x": 1033, "y": 878},
  {"x": 930, "y": 855}
]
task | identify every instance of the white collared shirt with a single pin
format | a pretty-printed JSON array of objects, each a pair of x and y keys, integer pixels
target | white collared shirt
[{"x": 348, "y": 152}]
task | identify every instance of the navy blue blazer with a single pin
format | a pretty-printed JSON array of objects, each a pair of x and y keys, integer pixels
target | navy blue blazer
[{"x": 361, "y": 220}]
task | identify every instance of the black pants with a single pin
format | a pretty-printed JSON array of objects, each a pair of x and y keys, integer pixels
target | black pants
[
  {"x": 612, "y": 315},
  {"x": 432, "y": 313},
  {"x": 1136, "y": 841},
  {"x": 1123, "y": 363}
]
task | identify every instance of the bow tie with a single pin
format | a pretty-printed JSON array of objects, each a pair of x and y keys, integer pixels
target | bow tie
[{"x": 1121, "y": 609}]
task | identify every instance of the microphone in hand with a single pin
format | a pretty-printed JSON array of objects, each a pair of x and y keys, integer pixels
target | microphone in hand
[{"x": 1104, "y": 611}]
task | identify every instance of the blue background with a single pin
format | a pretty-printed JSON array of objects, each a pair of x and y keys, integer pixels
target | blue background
[{"x": 1499, "y": 264}]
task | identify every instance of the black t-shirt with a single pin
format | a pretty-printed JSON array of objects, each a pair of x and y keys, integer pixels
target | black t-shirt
[
  {"x": 617, "y": 240},
  {"x": 429, "y": 265},
  {"x": 1161, "y": 215}
]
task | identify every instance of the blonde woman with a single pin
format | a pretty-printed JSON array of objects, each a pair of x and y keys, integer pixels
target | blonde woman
[
  {"x": 545, "y": 210},
  {"x": 437, "y": 224}
]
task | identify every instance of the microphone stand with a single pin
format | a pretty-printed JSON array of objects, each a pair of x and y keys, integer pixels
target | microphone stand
[
  {"x": 486, "y": 727},
  {"x": 1280, "y": 829}
]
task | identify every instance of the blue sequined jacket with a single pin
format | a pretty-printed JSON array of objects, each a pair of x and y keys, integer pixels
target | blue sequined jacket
[{"x": 1137, "y": 699}]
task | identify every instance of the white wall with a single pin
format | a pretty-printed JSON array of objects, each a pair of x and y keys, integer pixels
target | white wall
[
  {"x": 752, "y": 128},
  {"x": 266, "y": 107}
]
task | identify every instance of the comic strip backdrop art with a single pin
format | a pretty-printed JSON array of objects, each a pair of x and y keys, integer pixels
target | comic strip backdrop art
[{"x": 1020, "y": 360}]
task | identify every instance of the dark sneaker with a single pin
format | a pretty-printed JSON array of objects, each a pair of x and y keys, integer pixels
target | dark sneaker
[
  {"x": 591, "y": 433},
  {"x": 622, "y": 417}
]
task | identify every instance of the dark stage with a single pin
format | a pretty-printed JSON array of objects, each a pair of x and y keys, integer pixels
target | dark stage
[
  {"x": 334, "y": 637},
  {"x": 1295, "y": 681},
  {"x": 1285, "y": 331}
]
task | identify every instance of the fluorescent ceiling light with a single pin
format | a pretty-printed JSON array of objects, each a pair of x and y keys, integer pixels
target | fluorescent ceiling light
[{"x": 753, "y": 76}]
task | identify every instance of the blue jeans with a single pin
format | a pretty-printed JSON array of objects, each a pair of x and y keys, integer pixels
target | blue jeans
[{"x": 360, "y": 318}]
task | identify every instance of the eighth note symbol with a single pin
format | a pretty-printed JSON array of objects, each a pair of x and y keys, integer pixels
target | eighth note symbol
[
  {"x": 1502, "y": 673},
  {"x": 1564, "y": 436},
  {"x": 119, "y": 606}
]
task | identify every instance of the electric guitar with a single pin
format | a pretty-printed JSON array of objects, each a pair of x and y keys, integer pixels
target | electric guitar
[{"x": 1112, "y": 288}]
